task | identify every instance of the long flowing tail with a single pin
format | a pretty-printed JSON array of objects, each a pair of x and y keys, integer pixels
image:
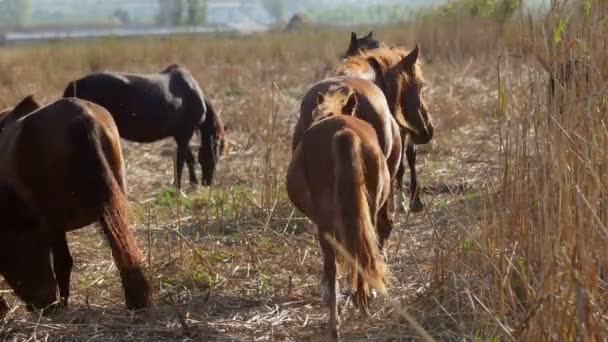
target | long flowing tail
[
  {"x": 98, "y": 189},
  {"x": 356, "y": 232}
]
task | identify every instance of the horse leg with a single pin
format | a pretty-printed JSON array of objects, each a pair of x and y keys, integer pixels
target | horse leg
[
  {"x": 329, "y": 287},
  {"x": 191, "y": 167},
  {"x": 3, "y": 307},
  {"x": 416, "y": 204},
  {"x": 182, "y": 154},
  {"x": 62, "y": 265},
  {"x": 385, "y": 225}
]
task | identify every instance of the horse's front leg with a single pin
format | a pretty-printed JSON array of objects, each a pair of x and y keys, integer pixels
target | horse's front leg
[
  {"x": 62, "y": 265},
  {"x": 191, "y": 167},
  {"x": 329, "y": 288},
  {"x": 416, "y": 204}
]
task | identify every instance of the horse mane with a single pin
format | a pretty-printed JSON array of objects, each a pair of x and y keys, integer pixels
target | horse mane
[
  {"x": 384, "y": 66},
  {"x": 335, "y": 100},
  {"x": 382, "y": 60}
]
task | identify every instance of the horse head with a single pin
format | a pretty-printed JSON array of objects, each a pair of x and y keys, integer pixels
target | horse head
[
  {"x": 25, "y": 253},
  {"x": 364, "y": 43}
]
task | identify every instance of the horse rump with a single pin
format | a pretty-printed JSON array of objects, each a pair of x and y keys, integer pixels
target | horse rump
[{"x": 98, "y": 189}]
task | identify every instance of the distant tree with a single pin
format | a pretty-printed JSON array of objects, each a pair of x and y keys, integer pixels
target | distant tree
[
  {"x": 170, "y": 12},
  {"x": 197, "y": 12},
  {"x": 15, "y": 12}
]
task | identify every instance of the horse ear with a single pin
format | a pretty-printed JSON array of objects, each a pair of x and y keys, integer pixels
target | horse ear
[
  {"x": 26, "y": 106},
  {"x": 370, "y": 34},
  {"x": 320, "y": 99},
  {"x": 412, "y": 57},
  {"x": 351, "y": 105}
]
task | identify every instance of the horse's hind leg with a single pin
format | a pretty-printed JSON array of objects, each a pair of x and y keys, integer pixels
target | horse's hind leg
[
  {"x": 62, "y": 265},
  {"x": 329, "y": 289},
  {"x": 385, "y": 225},
  {"x": 416, "y": 204}
]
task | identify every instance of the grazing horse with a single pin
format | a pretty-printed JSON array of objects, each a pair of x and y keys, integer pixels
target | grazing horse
[
  {"x": 150, "y": 107},
  {"x": 338, "y": 177},
  {"x": 364, "y": 43},
  {"x": 397, "y": 72},
  {"x": 64, "y": 162}
]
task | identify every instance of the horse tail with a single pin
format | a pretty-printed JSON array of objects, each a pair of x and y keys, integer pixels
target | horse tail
[
  {"x": 97, "y": 186},
  {"x": 356, "y": 232}
]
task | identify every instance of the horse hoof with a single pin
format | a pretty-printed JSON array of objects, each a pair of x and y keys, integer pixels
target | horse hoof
[
  {"x": 416, "y": 205},
  {"x": 346, "y": 292},
  {"x": 373, "y": 295}
]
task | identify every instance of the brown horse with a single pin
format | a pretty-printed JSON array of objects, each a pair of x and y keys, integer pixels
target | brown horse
[
  {"x": 398, "y": 73},
  {"x": 339, "y": 178},
  {"x": 150, "y": 107},
  {"x": 64, "y": 162},
  {"x": 364, "y": 43},
  {"x": 371, "y": 107}
]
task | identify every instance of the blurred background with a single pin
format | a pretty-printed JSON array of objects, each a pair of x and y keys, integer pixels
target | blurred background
[{"x": 50, "y": 19}]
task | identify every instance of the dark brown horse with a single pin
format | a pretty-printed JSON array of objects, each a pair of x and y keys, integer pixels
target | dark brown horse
[
  {"x": 150, "y": 107},
  {"x": 364, "y": 43},
  {"x": 339, "y": 178},
  {"x": 397, "y": 72},
  {"x": 64, "y": 163}
]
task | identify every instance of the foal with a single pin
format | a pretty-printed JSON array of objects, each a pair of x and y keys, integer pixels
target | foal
[{"x": 339, "y": 178}]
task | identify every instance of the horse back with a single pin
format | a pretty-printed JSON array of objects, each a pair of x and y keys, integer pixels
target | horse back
[
  {"x": 319, "y": 161},
  {"x": 43, "y": 155},
  {"x": 372, "y": 107}
]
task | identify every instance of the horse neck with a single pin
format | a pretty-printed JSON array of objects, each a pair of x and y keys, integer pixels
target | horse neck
[{"x": 388, "y": 83}]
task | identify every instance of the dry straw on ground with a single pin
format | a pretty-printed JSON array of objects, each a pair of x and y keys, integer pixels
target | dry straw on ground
[{"x": 512, "y": 244}]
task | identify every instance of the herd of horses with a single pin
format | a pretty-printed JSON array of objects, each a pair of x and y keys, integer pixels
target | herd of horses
[{"x": 61, "y": 167}]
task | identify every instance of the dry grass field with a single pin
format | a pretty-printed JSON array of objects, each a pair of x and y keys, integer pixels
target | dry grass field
[{"x": 512, "y": 244}]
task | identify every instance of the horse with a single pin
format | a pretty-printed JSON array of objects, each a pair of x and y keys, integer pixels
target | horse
[
  {"x": 64, "y": 162},
  {"x": 364, "y": 43},
  {"x": 398, "y": 73},
  {"x": 150, "y": 107},
  {"x": 339, "y": 178}
]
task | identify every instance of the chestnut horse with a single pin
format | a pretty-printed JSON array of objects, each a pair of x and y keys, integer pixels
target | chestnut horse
[
  {"x": 64, "y": 162},
  {"x": 150, "y": 107},
  {"x": 397, "y": 72},
  {"x": 338, "y": 177}
]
